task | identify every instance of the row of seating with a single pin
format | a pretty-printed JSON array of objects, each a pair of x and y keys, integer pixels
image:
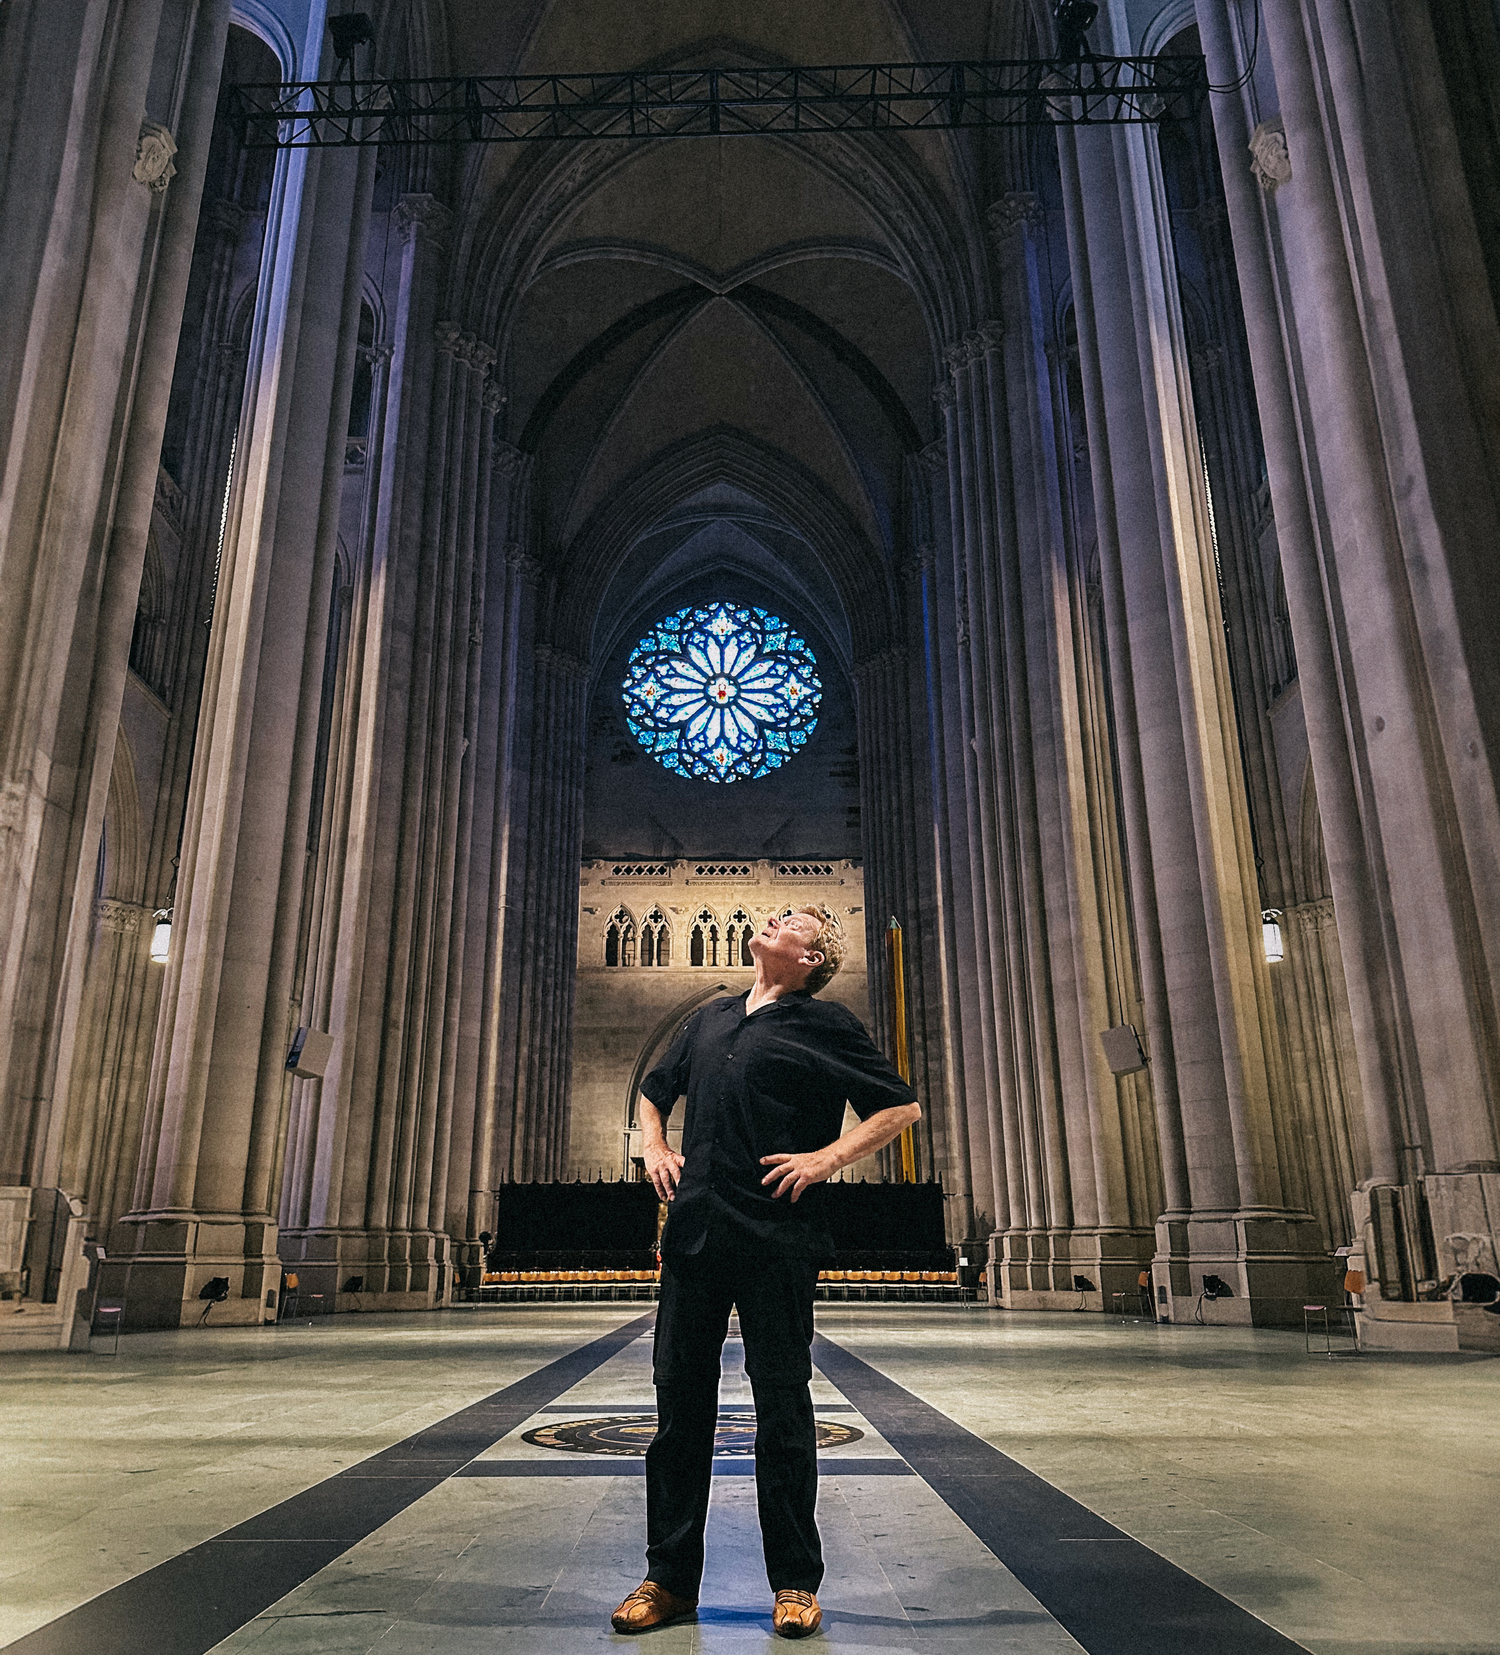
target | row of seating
[
  {"x": 504, "y": 1278},
  {"x": 553, "y": 1286}
]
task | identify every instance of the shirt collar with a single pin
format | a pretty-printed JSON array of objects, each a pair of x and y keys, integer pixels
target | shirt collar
[{"x": 780, "y": 1000}]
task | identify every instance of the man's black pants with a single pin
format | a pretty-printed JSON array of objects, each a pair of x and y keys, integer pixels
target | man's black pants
[{"x": 774, "y": 1296}]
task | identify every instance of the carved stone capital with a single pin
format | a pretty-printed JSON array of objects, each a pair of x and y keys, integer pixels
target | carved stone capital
[
  {"x": 960, "y": 354},
  {"x": 522, "y": 563},
  {"x": 1270, "y": 159},
  {"x": 1316, "y": 916},
  {"x": 562, "y": 661},
  {"x": 508, "y": 459},
  {"x": 1015, "y": 210},
  {"x": 422, "y": 218},
  {"x": 481, "y": 357},
  {"x": 934, "y": 457},
  {"x": 119, "y": 918},
  {"x": 493, "y": 398},
  {"x": 1209, "y": 215},
  {"x": 154, "y": 149},
  {"x": 448, "y": 337},
  {"x": 1207, "y": 357},
  {"x": 225, "y": 218},
  {"x": 375, "y": 355},
  {"x": 885, "y": 660},
  {"x": 914, "y": 568},
  {"x": 944, "y": 396}
]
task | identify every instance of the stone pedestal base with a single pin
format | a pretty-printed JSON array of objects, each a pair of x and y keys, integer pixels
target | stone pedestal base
[
  {"x": 1422, "y": 1262},
  {"x": 1389, "y": 1324},
  {"x": 397, "y": 1269},
  {"x": 1273, "y": 1262},
  {"x": 1035, "y": 1269},
  {"x": 158, "y": 1263}
]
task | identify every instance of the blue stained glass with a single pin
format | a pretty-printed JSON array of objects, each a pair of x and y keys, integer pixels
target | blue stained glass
[{"x": 722, "y": 692}]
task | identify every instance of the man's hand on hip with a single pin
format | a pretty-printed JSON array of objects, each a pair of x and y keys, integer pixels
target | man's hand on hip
[
  {"x": 663, "y": 1167},
  {"x": 795, "y": 1173}
]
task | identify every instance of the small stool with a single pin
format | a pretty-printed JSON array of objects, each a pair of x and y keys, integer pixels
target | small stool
[
  {"x": 106, "y": 1323},
  {"x": 1321, "y": 1312}
]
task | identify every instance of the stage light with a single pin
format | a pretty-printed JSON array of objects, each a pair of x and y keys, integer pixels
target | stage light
[
  {"x": 1270, "y": 936},
  {"x": 161, "y": 937}
]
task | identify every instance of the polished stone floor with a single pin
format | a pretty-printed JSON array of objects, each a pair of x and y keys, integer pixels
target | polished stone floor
[{"x": 1021, "y": 1483}]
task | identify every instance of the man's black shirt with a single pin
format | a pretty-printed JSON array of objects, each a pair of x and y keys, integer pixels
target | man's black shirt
[{"x": 772, "y": 1083}]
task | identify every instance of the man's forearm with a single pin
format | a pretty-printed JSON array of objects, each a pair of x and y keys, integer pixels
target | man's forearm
[
  {"x": 653, "y": 1127},
  {"x": 873, "y": 1134}
]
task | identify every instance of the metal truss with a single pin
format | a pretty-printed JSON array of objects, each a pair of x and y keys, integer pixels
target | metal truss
[{"x": 697, "y": 103}]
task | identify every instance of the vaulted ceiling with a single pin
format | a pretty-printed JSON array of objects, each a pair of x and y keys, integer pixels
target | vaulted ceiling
[{"x": 763, "y": 317}]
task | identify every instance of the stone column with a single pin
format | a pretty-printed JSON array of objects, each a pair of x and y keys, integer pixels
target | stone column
[
  {"x": 100, "y": 223},
  {"x": 898, "y": 875},
  {"x": 205, "y": 1200},
  {"x": 1385, "y": 370},
  {"x": 1114, "y": 1184},
  {"x": 371, "y": 1195},
  {"x": 1250, "y": 191},
  {"x": 1244, "y": 1222},
  {"x": 512, "y": 574}
]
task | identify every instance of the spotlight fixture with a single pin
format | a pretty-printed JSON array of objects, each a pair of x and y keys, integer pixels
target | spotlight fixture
[
  {"x": 354, "y": 28},
  {"x": 214, "y": 1291},
  {"x": 1270, "y": 936},
  {"x": 1215, "y": 1287},
  {"x": 161, "y": 937}
]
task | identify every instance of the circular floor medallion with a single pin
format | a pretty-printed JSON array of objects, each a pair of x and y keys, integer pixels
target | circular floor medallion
[{"x": 632, "y": 1434}]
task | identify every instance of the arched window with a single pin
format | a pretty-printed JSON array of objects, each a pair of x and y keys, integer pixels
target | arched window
[
  {"x": 703, "y": 943},
  {"x": 737, "y": 939},
  {"x": 656, "y": 939},
  {"x": 619, "y": 939}
]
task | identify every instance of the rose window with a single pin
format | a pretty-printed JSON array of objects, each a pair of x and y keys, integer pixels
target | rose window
[{"x": 722, "y": 692}]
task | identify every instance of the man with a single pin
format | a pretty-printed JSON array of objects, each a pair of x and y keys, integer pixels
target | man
[{"x": 766, "y": 1075}]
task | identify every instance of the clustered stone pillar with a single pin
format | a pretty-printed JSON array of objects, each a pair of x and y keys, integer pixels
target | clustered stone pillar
[
  {"x": 206, "y": 1190},
  {"x": 891, "y": 798},
  {"x": 377, "y": 1173},
  {"x": 100, "y": 223},
  {"x": 1066, "y": 1150},
  {"x": 1189, "y": 840},
  {"x": 1357, "y": 371},
  {"x": 542, "y": 942}
]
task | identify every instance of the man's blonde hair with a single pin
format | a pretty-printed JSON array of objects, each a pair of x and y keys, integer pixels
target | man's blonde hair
[{"x": 829, "y": 942}]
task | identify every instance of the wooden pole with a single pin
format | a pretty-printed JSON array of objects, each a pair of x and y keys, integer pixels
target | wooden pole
[{"x": 896, "y": 960}]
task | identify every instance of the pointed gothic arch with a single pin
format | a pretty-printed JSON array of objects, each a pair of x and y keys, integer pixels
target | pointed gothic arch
[{"x": 620, "y": 938}]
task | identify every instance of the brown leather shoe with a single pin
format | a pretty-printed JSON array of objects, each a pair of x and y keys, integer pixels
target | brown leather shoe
[
  {"x": 796, "y": 1614},
  {"x": 649, "y": 1605}
]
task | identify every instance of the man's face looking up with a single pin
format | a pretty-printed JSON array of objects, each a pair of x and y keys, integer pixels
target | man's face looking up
[{"x": 784, "y": 947}]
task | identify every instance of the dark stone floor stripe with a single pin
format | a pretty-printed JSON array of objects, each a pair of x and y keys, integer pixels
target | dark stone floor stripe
[
  {"x": 620, "y": 1466},
  {"x": 1115, "y": 1599},
  {"x": 189, "y": 1603}
]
